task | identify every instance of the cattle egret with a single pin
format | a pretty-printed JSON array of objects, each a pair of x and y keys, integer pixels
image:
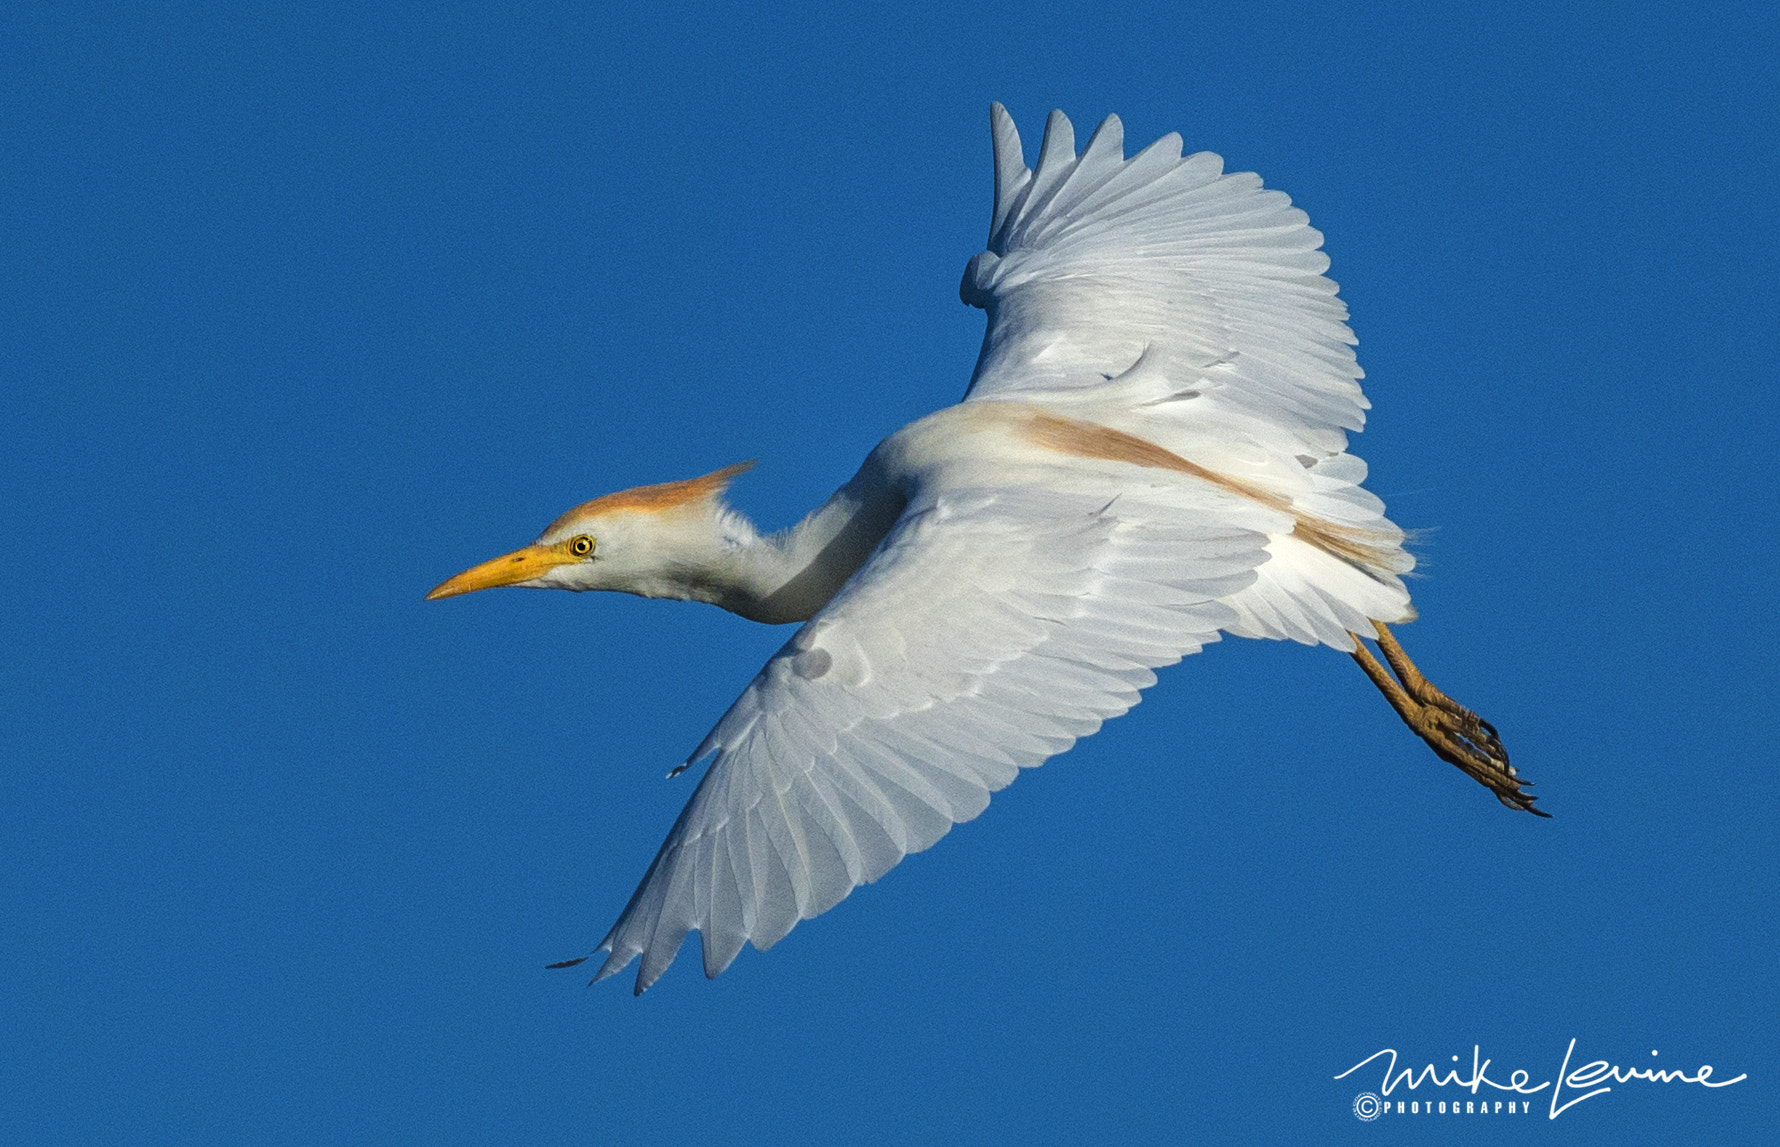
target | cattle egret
[{"x": 1152, "y": 452}]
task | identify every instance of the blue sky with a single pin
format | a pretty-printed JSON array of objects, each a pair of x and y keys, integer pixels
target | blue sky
[{"x": 306, "y": 309}]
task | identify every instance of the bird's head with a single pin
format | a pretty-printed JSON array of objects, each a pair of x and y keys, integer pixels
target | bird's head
[{"x": 646, "y": 540}]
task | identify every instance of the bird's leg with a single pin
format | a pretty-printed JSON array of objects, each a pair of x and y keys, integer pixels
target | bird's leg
[{"x": 1456, "y": 734}]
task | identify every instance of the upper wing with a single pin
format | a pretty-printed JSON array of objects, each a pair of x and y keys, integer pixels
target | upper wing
[
  {"x": 991, "y": 629},
  {"x": 1095, "y": 261}
]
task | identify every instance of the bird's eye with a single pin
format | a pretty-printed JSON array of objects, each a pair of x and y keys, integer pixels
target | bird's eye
[{"x": 581, "y": 545}]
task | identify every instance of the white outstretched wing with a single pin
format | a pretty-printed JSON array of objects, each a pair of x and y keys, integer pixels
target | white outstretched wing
[
  {"x": 1095, "y": 261},
  {"x": 991, "y": 629}
]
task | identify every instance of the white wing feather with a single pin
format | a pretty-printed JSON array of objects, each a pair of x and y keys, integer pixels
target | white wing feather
[
  {"x": 1095, "y": 261},
  {"x": 991, "y": 630},
  {"x": 1161, "y": 296}
]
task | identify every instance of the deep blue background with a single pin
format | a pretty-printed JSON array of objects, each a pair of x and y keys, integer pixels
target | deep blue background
[{"x": 304, "y": 311}]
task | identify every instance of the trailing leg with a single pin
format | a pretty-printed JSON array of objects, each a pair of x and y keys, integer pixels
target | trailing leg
[{"x": 1456, "y": 734}]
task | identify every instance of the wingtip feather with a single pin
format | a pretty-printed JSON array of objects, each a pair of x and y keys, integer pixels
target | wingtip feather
[
  {"x": 1058, "y": 146},
  {"x": 1011, "y": 174},
  {"x": 1109, "y": 136}
]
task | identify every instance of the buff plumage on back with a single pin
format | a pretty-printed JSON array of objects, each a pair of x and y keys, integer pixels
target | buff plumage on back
[{"x": 655, "y": 499}]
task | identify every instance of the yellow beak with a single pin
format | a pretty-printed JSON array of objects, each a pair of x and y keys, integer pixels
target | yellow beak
[{"x": 508, "y": 569}]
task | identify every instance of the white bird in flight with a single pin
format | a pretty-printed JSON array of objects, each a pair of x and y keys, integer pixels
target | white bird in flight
[{"x": 1152, "y": 452}]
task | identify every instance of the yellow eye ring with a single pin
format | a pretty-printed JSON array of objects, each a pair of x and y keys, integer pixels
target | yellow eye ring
[{"x": 581, "y": 545}]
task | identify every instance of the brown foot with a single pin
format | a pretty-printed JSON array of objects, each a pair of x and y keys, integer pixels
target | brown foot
[{"x": 1456, "y": 734}]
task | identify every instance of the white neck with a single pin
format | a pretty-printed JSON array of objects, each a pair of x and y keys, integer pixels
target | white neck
[
  {"x": 716, "y": 555},
  {"x": 791, "y": 575}
]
